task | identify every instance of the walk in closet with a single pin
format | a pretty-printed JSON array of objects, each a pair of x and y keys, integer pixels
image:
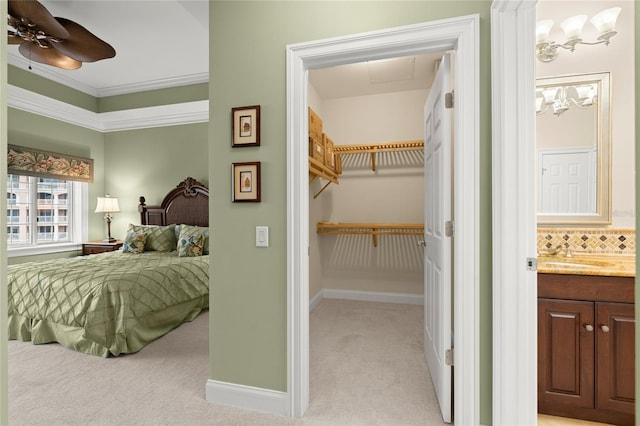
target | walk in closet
[{"x": 366, "y": 194}]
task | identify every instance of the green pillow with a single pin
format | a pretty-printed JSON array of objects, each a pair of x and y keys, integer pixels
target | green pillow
[{"x": 159, "y": 238}]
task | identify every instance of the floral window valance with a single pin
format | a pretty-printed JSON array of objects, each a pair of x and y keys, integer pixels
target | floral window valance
[{"x": 32, "y": 162}]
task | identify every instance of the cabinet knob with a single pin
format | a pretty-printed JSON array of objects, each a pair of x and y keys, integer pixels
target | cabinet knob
[
  {"x": 589, "y": 327},
  {"x": 604, "y": 328},
  {"x": 422, "y": 243}
]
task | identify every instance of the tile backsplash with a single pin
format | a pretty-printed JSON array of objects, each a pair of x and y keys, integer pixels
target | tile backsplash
[{"x": 589, "y": 240}]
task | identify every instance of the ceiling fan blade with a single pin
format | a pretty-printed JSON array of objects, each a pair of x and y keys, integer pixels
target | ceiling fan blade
[
  {"x": 13, "y": 39},
  {"x": 33, "y": 52},
  {"x": 82, "y": 45},
  {"x": 37, "y": 14}
]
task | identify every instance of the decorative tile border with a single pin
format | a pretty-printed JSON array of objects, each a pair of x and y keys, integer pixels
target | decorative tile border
[{"x": 589, "y": 240}]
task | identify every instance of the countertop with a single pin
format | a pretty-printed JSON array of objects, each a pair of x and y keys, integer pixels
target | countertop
[{"x": 588, "y": 264}]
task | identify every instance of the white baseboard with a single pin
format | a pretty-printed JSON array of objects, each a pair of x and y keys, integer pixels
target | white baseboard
[
  {"x": 368, "y": 296},
  {"x": 248, "y": 397},
  {"x": 315, "y": 301}
]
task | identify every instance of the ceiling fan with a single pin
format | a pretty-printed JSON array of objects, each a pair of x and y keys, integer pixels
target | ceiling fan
[{"x": 53, "y": 41}]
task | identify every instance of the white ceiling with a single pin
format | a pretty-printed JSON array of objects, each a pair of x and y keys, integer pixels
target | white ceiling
[
  {"x": 386, "y": 76},
  {"x": 158, "y": 43},
  {"x": 149, "y": 56}
]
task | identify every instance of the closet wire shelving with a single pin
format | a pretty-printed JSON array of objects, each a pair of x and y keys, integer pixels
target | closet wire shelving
[{"x": 319, "y": 170}]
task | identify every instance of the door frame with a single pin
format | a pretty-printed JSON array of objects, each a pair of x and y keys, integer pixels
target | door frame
[
  {"x": 460, "y": 34},
  {"x": 515, "y": 348}
]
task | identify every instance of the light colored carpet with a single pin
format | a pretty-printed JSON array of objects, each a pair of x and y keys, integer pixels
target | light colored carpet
[{"x": 367, "y": 368}]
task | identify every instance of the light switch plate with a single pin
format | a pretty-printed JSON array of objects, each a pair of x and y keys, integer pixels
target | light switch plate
[{"x": 262, "y": 236}]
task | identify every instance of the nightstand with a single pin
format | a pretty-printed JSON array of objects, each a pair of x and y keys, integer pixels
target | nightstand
[{"x": 99, "y": 246}]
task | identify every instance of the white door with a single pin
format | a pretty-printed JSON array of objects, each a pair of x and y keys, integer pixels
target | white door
[
  {"x": 567, "y": 181},
  {"x": 437, "y": 253}
]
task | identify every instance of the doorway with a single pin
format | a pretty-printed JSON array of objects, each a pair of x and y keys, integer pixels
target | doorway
[
  {"x": 457, "y": 34},
  {"x": 373, "y": 113}
]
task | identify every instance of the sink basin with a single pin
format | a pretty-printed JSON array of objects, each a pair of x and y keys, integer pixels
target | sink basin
[{"x": 571, "y": 262}]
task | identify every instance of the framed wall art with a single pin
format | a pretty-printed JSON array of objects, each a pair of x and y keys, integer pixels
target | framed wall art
[
  {"x": 246, "y": 182},
  {"x": 246, "y": 126}
]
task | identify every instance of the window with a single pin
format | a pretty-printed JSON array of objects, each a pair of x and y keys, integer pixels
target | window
[{"x": 59, "y": 218}]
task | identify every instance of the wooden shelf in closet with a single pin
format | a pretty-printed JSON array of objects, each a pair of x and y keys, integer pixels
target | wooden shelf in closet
[
  {"x": 373, "y": 149},
  {"x": 373, "y": 229},
  {"x": 319, "y": 170}
]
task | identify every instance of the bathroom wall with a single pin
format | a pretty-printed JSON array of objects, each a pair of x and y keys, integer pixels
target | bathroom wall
[{"x": 594, "y": 59}]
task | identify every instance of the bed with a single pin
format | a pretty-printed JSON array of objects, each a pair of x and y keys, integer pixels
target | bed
[{"x": 117, "y": 302}]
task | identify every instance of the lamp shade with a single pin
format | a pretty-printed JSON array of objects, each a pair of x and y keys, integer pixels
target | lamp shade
[
  {"x": 572, "y": 27},
  {"x": 107, "y": 205},
  {"x": 542, "y": 30},
  {"x": 605, "y": 21}
]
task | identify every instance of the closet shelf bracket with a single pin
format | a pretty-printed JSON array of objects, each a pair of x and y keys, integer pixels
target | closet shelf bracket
[
  {"x": 373, "y": 229},
  {"x": 318, "y": 170}
]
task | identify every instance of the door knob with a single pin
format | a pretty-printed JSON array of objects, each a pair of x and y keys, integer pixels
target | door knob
[
  {"x": 422, "y": 243},
  {"x": 589, "y": 327},
  {"x": 604, "y": 328}
]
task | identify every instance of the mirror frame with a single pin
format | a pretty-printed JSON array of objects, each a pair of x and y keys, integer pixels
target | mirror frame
[{"x": 602, "y": 215}]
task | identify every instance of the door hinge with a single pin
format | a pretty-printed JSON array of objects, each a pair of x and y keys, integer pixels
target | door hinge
[
  {"x": 449, "y": 228},
  {"x": 448, "y": 100},
  {"x": 448, "y": 356}
]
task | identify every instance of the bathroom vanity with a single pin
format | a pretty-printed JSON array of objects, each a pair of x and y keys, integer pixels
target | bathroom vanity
[{"x": 586, "y": 338}]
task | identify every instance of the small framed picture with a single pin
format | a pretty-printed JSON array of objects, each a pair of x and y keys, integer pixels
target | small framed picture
[
  {"x": 246, "y": 126},
  {"x": 246, "y": 182}
]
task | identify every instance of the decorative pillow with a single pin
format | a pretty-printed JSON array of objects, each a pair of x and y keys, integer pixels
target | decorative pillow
[
  {"x": 191, "y": 229},
  {"x": 159, "y": 238},
  {"x": 134, "y": 242},
  {"x": 190, "y": 245}
]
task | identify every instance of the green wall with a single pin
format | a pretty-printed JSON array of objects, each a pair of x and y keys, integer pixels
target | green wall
[
  {"x": 26, "y": 79},
  {"x": 35, "y": 131},
  {"x": 149, "y": 162},
  {"x": 128, "y": 163},
  {"x": 248, "y": 39}
]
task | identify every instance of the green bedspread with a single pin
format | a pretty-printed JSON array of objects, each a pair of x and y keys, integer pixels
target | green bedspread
[{"x": 106, "y": 304}]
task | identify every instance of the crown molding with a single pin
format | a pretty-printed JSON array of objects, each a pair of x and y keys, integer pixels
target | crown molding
[
  {"x": 52, "y": 74},
  {"x": 140, "y": 118},
  {"x": 165, "y": 83}
]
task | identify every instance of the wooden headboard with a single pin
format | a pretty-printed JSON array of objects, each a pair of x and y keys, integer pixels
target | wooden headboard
[{"x": 187, "y": 203}]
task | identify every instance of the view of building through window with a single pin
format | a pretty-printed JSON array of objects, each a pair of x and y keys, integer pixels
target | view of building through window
[{"x": 50, "y": 199}]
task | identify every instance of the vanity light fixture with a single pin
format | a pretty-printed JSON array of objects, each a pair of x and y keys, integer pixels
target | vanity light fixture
[
  {"x": 548, "y": 50},
  {"x": 561, "y": 98}
]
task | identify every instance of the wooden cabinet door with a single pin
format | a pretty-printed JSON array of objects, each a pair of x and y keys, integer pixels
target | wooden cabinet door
[
  {"x": 615, "y": 343},
  {"x": 565, "y": 354}
]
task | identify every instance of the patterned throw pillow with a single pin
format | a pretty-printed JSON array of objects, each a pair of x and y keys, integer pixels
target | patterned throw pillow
[
  {"x": 159, "y": 238},
  {"x": 190, "y": 245},
  {"x": 134, "y": 242},
  {"x": 192, "y": 229}
]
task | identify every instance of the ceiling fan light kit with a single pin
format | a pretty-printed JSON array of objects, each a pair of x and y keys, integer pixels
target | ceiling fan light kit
[{"x": 50, "y": 40}]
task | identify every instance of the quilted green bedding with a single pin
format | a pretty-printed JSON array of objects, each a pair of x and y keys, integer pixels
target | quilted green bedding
[{"x": 106, "y": 304}]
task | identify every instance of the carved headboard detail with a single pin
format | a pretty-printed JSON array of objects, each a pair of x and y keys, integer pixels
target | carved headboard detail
[{"x": 187, "y": 203}]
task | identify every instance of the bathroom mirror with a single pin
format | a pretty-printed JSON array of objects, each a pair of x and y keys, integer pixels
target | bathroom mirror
[{"x": 573, "y": 145}]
